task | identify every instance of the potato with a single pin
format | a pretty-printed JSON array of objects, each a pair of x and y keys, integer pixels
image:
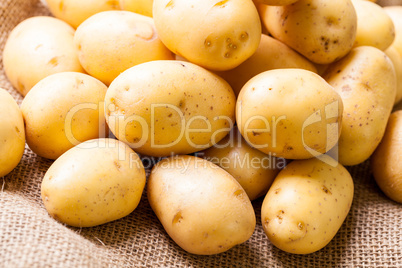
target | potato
[
  {"x": 201, "y": 206},
  {"x": 374, "y": 26},
  {"x": 366, "y": 81},
  {"x": 395, "y": 13},
  {"x": 202, "y": 36},
  {"x": 289, "y": 113},
  {"x": 169, "y": 107},
  {"x": 12, "y": 133},
  {"x": 63, "y": 110},
  {"x": 276, "y": 2},
  {"x": 396, "y": 59},
  {"x": 143, "y": 7},
  {"x": 74, "y": 12},
  {"x": 321, "y": 30},
  {"x": 95, "y": 182},
  {"x": 110, "y": 42},
  {"x": 387, "y": 158},
  {"x": 306, "y": 205},
  {"x": 254, "y": 170},
  {"x": 270, "y": 54},
  {"x": 36, "y": 48}
]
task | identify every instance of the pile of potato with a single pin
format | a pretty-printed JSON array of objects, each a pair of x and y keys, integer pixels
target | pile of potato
[{"x": 239, "y": 99}]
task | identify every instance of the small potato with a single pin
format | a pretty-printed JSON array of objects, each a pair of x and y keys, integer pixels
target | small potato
[
  {"x": 95, "y": 182},
  {"x": 396, "y": 59},
  {"x": 74, "y": 12},
  {"x": 110, "y": 42},
  {"x": 36, "y": 48},
  {"x": 169, "y": 107},
  {"x": 365, "y": 79},
  {"x": 321, "y": 30},
  {"x": 387, "y": 158},
  {"x": 63, "y": 110},
  {"x": 254, "y": 170},
  {"x": 374, "y": 26},
  {"x": 271, "y": 54},
  {"x": 287, "y": 113},
  {"x": 143, "y": 7},
  {"x": 201, "y": 206},
  {"x": 306, "y": 205},
  {"x": 215, "y": 34},
  {"x": 12, "y": 133}
]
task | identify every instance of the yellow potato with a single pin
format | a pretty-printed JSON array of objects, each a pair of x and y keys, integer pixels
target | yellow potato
[
  {"x": 74, "y": 12},
  {"x": 143, "y": 7},
  {"x": 289, "y": 113},
  {"x": 396, "y": 59},
  {"x": 387, "y": 158},
  {"x": 63, "y": 110},
  {"x": 110, "y": 42},
  {"x": 36, "y": 48},
  {"x": 306, "y": 205},
  {"x": 270, "y": 54},
  {"x": 321, "y": 30},
  {"x": 374, "y": 26},
  {"x": 12, "y": 133},
  {"x": 395, "y": 13},
  {"x": 169, "y": 107},
  {"x": 366, "y": 81},
  {"x": 201, "y": 206},
  {"x": 197, "y": 31},
  {"x": 95, "y": 182},
  {"x": 276, "y": 2},
  {"x": 254, "y": 170}
]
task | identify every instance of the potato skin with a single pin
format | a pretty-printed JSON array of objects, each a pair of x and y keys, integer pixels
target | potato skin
[
  {"x": 396, "y": 59},
  {"x": 374, "y": 26},
  {"x": 322, "y": 31},
  {"x": 63, "y": 110},
  {"x": 301, "y": 106},
  {"x": 36, "y": 48},
  {"x": 271, "y": 54},
  {"x": 110, "y": 42},
  {"x": 97, "y": 181},
  {"x": 387, "y": 158},
  {"x": 162, "y": 108},
  {"x": 12, "y": 133},
  {"x": 365, "y": 79},
  {"x": 74, "y": 12},
  {"x": 276, "y": 2},
  {"x": 201, "y": 206},
  {"x": 218, "y": 44},
  {"x": 306, "y": 205},
  {"x": 254, "y": 170}
]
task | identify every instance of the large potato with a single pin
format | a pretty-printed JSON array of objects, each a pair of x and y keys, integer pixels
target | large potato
[
  {"x": 306, "y": 205},
  {"x": 374, "y": 26},
  {"x": 36, "y": 48},
  {"x": 289, "y": 113},
  {"x": 321, "y": 30},
  {"x": 387, "y": 158},
  {"x": 74, "y": 12},
  {"x": 254, "y": 170},
  {"x": 12, "y": 133},
  {"x": 197, "y": 31},
  {"x": 95, "y": 182},
  {"x": 395, "y": 13},
  {"x": 110, "y": 42},
  {"x": 366, "y": 81},
  {"x": 270, "y": 54},
  {"x": 63, "y": 110},
  {"x": 169, "y": 107},
  {"x": 201, "y": 206},
  {"x": 143, "y": 7}
]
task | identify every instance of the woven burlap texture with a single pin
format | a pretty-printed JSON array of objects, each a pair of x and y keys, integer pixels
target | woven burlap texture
[{"x": 29, "y": 237}]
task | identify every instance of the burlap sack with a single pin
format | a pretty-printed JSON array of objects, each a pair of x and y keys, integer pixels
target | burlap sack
[{"x": 371, "y": 235}]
